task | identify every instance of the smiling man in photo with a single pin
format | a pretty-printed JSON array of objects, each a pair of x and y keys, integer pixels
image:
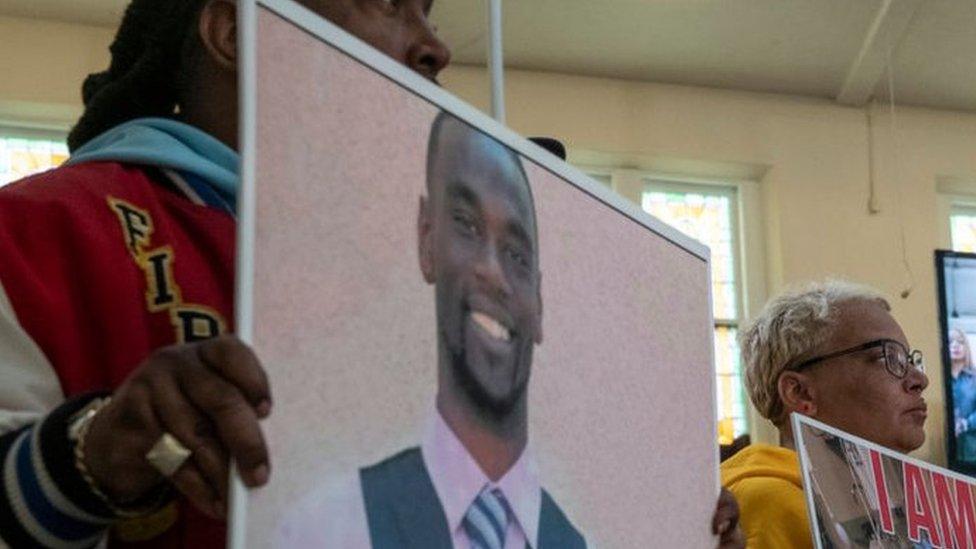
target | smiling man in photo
[
  {"x": 472, "y": 481},
  {"x": 474, "y": 475}
]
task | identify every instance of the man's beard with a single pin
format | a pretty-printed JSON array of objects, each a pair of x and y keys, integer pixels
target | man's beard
[{"x": 495, "y": 408}]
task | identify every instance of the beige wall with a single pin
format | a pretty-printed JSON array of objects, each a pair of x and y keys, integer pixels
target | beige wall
[
  {"x": 43, "y": 65},
  {"x": 810, "y": 158}
]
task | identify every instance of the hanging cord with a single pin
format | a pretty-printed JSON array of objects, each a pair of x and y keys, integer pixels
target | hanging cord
[
  {"x": 899, "y": 188},
  {"x": 873, "y": 207}
]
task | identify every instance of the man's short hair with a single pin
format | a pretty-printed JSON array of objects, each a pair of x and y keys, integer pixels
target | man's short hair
[
  {"x": 789, "y": 328},
  {"x": 434, "y": 149}
]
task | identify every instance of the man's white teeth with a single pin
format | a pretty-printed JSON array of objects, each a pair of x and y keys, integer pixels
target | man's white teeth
[{"x": 491, "y": 326}]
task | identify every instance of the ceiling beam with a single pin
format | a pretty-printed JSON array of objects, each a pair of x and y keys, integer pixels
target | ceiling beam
[{"x": 886, "y": 31}]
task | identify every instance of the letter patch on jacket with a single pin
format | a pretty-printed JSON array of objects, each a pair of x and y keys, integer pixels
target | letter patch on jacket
[{"x": 191, "y": 321}]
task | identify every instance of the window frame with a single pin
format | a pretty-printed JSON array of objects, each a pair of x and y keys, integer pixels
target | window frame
[
  {"x": 726, "y": 191},
  {"x": 38, "y": 133},
  {"x": 952, "y": 193},
  {"x": 32, "y": 133},
  {"x": 730, "y": 192},
  {"x": 959, "y": 206},
  {"x": 749, "y": 247}
]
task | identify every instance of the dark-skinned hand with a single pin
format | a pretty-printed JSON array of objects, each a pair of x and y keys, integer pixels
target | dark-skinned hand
[
  {"x": 209, "y": 395},
  {"x": 725, "y": 523}
]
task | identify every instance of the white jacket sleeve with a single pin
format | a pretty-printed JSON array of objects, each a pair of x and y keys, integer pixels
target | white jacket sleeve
[{"x": 29, "y": 388}]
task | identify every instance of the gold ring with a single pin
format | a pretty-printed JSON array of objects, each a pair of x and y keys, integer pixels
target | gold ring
[{"x": 168, "y": 455}]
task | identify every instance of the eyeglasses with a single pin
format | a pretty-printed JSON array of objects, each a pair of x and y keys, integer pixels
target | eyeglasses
[{"x": 898, "y": 359}]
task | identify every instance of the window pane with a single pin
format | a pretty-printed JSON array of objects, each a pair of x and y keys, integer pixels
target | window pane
[
  {"x": 730, "y": 394},
  {"x": 22, "y": 157},
  {"x": 707, "y": 218},
  {"x": 963, "y": 231}
]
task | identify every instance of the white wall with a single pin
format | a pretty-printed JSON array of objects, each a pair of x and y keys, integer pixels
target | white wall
[{"x": 42, "y": 65}]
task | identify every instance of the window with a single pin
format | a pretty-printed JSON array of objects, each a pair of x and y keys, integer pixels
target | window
[
  {"x": 724, "y": 212},
  {"x": 962, "y": 227},
  {"x": 23, "y": 156},
  {"x": 709, "y": 214}
]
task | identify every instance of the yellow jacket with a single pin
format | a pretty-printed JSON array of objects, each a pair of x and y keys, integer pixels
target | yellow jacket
[{"x": 766, "y": 482}]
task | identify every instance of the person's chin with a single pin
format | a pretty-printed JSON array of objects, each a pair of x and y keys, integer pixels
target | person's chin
[
  {"x": 912, "y": 440},
  {"x": 494, "y": 383},
  {"x": 912, "y": 421},
  {"x": 480, "y": 380},
  {"x": 496, "y": 405}
]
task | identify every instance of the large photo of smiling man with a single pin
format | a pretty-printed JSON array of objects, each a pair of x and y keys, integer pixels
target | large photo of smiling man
[{"x": 478, "y": 247}]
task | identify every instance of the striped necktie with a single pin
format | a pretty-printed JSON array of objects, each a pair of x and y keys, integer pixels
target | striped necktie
[{"x": 486, "y": 520}]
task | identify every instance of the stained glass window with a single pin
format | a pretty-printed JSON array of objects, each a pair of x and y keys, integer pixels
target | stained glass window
[
  {"x": 708, "y": 214},
  {"x": 731, "y": 398},
  {"x": 963, "y": 228},
  {"x": 22, "y": 157}
]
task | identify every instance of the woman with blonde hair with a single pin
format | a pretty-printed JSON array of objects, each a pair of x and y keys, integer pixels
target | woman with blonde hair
[
  {"x": 963, "y": 394},
  {"x": 831, "y": 351}
]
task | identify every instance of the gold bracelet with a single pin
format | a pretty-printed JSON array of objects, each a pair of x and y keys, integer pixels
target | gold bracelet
[{"x": 78, "y": 432}]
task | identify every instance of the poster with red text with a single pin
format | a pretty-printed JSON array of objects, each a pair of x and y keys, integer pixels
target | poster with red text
[{"x": 860, "y": 494}]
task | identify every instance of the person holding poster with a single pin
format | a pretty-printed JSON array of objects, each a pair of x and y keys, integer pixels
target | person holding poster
[
  {"x": 832, "y": 352},
  {"x": 119, "y": 410},
  {"x": 963, "y": 394}
]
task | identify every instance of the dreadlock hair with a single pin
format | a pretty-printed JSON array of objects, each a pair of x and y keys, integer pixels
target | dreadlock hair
[{"x": 150, "y": 57}]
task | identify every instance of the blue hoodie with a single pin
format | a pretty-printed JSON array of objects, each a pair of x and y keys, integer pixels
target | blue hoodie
[{"x": 210, "y": 167}]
